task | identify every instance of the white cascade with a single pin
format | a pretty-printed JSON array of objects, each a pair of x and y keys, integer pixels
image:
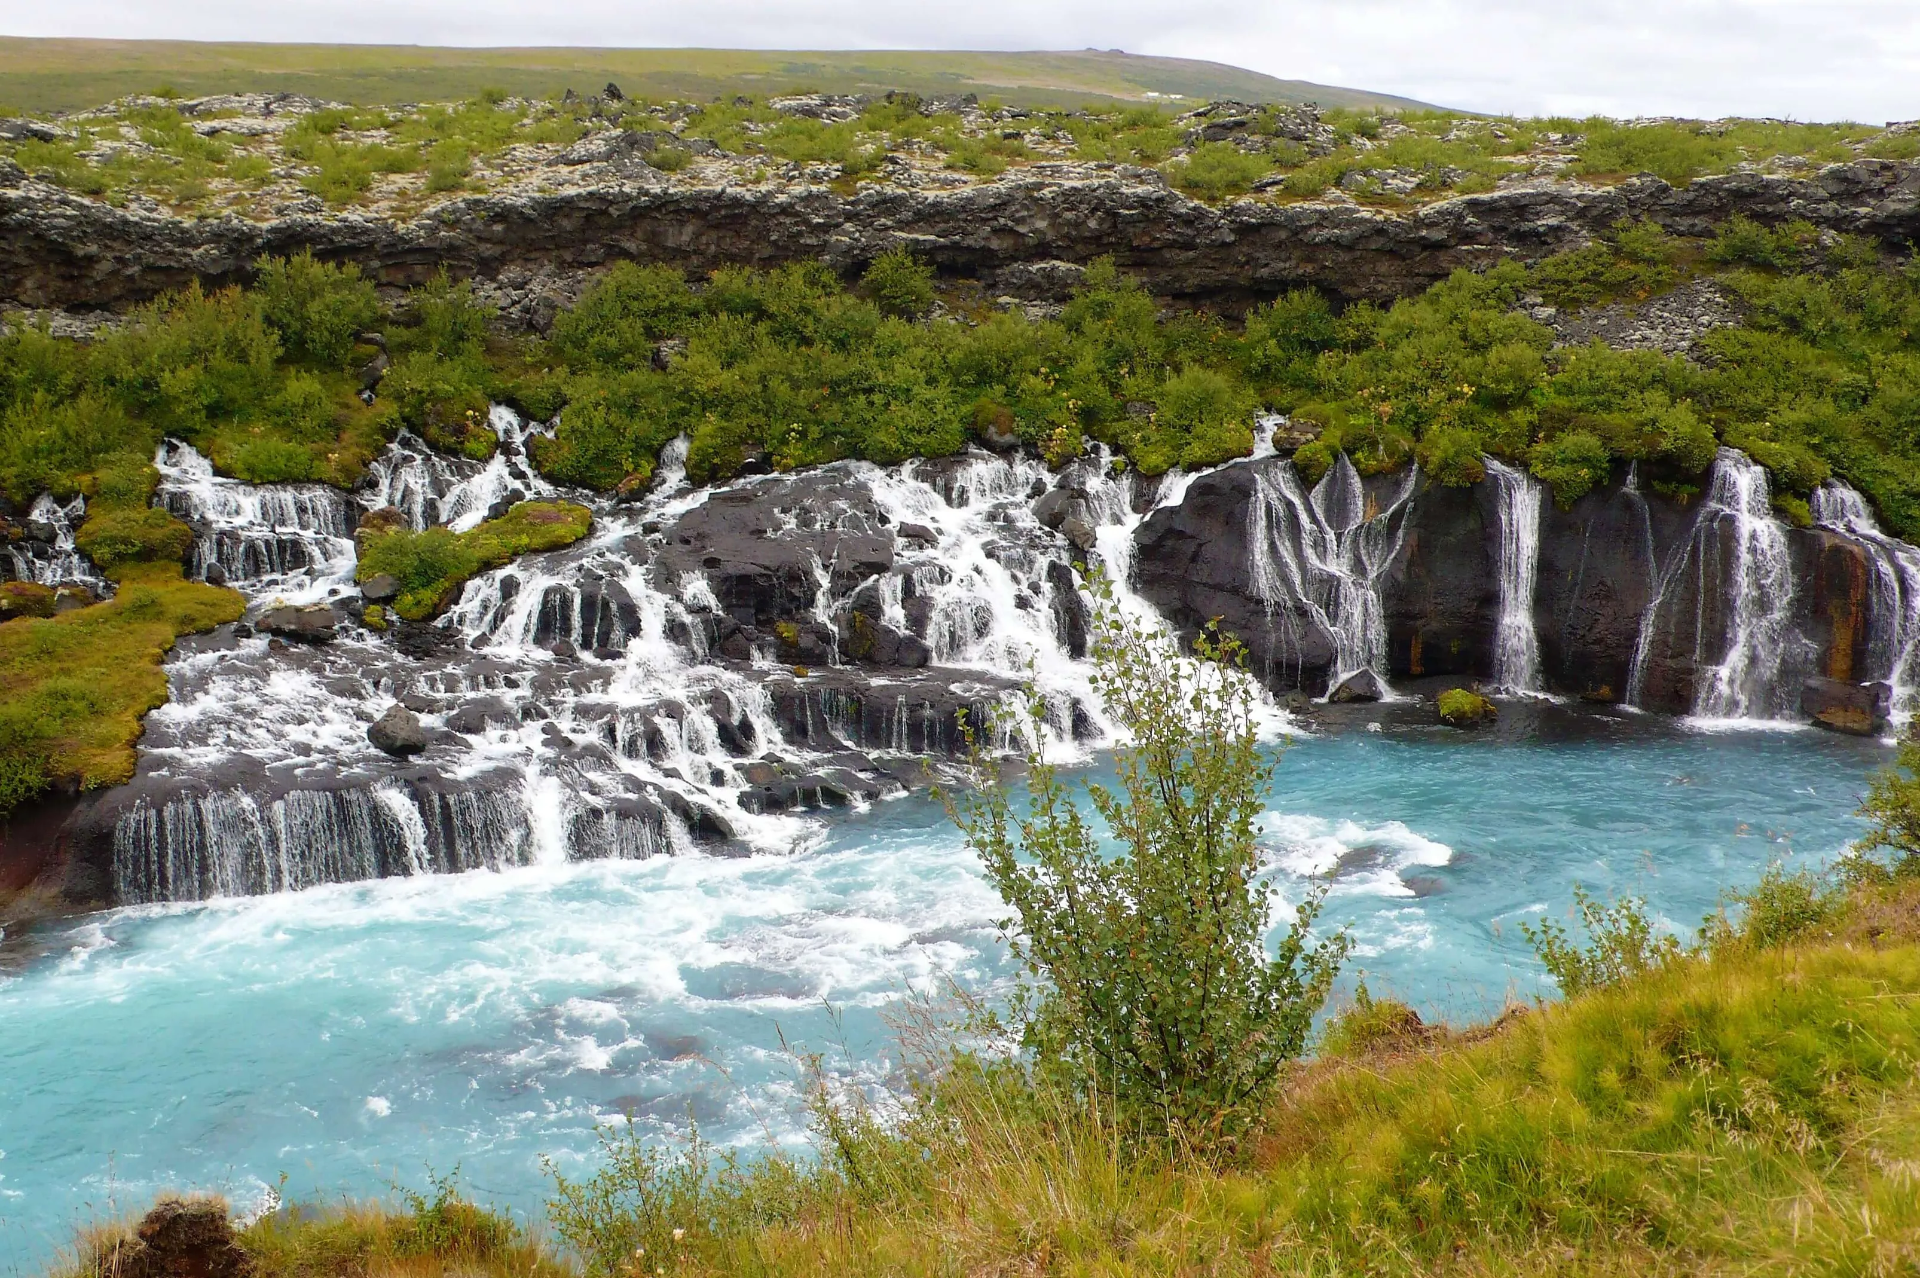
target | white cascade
[
  {"x": 293, "y": 541},
  {"x": 1326, "y": 553},
  {"x": 1893, "y": 645},
  {"x": 1516, "y": 647},
  {"x": 1737, "y": 553},
  {"x": 56, "y": 562}
]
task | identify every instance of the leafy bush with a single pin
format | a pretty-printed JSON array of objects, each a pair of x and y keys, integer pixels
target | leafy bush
[
  {"x": 1218, "y": 170},
  {"x": 1156, "y": 988},
  {"x": 618, "y": 319},
  {"x": 316, "y": 308},
  {"x": 899, "y": 283},
  {"x": 1572, "y": 464},
  {"x": 1622, "y": 945},
  {"x": 1893, "y": 806}
]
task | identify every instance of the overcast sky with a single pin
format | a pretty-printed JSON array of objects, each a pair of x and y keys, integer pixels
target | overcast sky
[{"x": 1808, "y": 59}]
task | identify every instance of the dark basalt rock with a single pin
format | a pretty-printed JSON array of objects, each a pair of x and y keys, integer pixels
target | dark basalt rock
[
  {"x": 316, "y": 624},
  {"x": 1361, "y": 685},
  {"x": 1859, "y": 709},
  {"x": 398, "y": 732},
  {"x": 760, "y": 546},
  {"x": 1027, "y": 233}
]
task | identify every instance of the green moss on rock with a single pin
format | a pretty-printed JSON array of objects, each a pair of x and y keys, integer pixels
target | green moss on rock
[
  {"x": 1466, "y": 709},
  {"x": 432, "y": 565}
]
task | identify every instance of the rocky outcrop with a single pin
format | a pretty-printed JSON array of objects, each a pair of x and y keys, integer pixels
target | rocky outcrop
[
  {"x": 177, "y": 1238},
  {"x": 1637, "y": 595},
  {"x": 1026, "y": 233}
]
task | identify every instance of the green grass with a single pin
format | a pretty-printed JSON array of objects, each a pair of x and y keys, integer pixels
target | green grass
[
  {"x": 431, "y": 566},
  {"x": 74, "y": 688},
  {"x": 53, "y": 75}
]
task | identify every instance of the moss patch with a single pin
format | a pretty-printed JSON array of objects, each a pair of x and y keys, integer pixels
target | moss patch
[
  {"x": 1466, "y": 709},
  {"x": 74, "y": 687},
  {"x": 431, "y": 566}
]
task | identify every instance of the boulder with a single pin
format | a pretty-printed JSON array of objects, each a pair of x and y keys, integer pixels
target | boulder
[
  {"x": 1361, "y": 685},
  {"x": 398, "y": 732},
  {"x": 1080, "y": 533},
  {"x": 1464, "y": 708},
  {"x": 381, "y": 588},
  {"x": 315, "y": 624},
  {"x": 1859, "y": 709},
  {"x": 1059, "y": 505}
]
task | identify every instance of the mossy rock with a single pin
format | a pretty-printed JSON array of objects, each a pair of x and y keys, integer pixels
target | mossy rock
[
  {"x": 115, "y": 539},
  {"x": 1462, "y": 708},
  {"x": 25, "y": 599},
  {"x": 431, "y": 566}
]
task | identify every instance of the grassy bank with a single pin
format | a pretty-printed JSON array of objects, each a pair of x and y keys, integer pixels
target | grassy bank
[{"x": 1752, "y": 1108}]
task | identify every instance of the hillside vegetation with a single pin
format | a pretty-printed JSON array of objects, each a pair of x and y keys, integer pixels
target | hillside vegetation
[
  {"x": 65, "y": 75},
  {"x": 262, "y": 158}
]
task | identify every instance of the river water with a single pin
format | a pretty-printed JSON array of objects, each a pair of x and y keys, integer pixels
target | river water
[{"x": 351, "y": 1037}]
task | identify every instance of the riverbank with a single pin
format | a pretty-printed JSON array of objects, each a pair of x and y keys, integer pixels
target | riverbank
[{"x": 1750, "y": 1108}]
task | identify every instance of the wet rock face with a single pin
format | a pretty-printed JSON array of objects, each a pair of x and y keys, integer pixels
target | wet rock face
[
  {"x": 1857, "y": 709},
  {"x": 1027, "y": 234},
  {"x": 1625, "y": 582}
]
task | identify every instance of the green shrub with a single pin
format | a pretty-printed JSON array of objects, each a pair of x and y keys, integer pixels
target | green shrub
[
  {"x": 1217, "y": 171},
  {"x": 1156, "y": 988},
  {"x": 1741, "y": 241},
  {"x": 899, "y": 283},
  {"x": 315, "y": 308},
  {"x": 618, "y": 319},
  {"x": 1621, "y": 945},
  {"x": 1571, "y": 464},
  {"x": 1893, "y": 806}
]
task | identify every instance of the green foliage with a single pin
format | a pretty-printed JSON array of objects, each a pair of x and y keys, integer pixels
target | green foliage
[
  {"x": 1463, "y": 707},
  {"x": 114, "y": 539},
  {"x": 1893, "y": 805},
  {"x": 1571, "y": 464},
  {"x": 1218, "y": 171},
  {"x": 1621, "y": 945},
  {"x": 1369, "y": 1025},
  {"x": 899, "y": 283},
  {"x": 315, "y": 308},
  {"x": 616, "y": 321},
  {"x": 74, "y": 687},
  {"x": 1783, "y": 908},
  {"x": 1636, "y": 260},
  {"x": 1741, "y": 241},
  {"x": 432, "y": 565},
  {"x": 1154, "y": 986},
  {"x": 1681, "y": 150}
]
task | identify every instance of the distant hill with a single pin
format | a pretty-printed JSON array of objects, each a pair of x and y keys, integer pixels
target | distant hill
[{"x": 64, "y": 75}]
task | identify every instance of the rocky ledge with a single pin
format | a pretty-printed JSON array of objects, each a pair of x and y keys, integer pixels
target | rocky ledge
[{"x": 1026, "y": 234}]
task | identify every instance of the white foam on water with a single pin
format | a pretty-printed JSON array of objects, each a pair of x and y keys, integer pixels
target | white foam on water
[{"x": 1364, "y": 860}]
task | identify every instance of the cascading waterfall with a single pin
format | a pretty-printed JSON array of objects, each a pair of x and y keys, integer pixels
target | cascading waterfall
[
  {"x": 1893, "y": 646},
  {"x": 1737, "y": 554},
  {"x": 583, "y": 713},
  {"x": 1516, "y": 653},
  {"x": 1326, "y": 552},
  {"x": 54, "y": 561},
  {"x": 292, "y": 540}
]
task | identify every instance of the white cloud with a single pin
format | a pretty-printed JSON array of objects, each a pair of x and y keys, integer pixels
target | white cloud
[{"x": 1808, "y": 59}]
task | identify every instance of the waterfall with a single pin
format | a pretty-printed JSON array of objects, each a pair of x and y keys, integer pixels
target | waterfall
[
  {"x": 573, "y": 704},
  {"x": 53, "y": 560},
  {"x": 1893, "y": 645},
  {"x": 1516, "y": 652},
  {"x": 1737, "y": 556},
  {"x": 1326, "y": 552},
  {"x": 290, "y": 540}
]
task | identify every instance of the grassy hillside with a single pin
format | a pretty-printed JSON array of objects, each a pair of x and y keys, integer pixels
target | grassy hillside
[{"x": 66, "y": 75}]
